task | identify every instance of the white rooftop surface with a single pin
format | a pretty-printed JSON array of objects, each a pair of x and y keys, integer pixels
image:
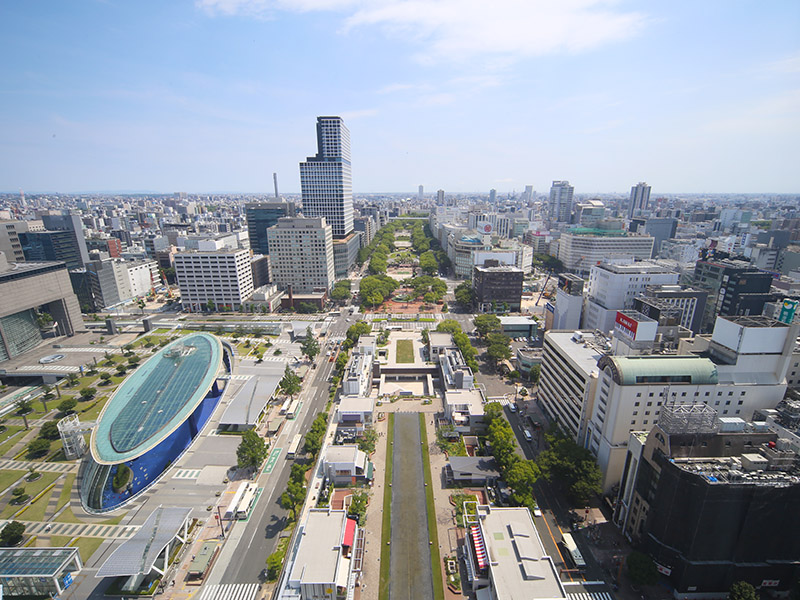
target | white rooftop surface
[
  {"x": 584, "y": 357},
  {"x": 320, "y": 546},
  {"x": 353, "y": 404},
  {"x": 347, "y": 453},
  {"x": 519, "y": 565},
  {"x": 250, "y": 400},
  {"x": 472, "y": 398},
  {"x": 439, "y": 338},
  {"x": 517, "y": 320}
]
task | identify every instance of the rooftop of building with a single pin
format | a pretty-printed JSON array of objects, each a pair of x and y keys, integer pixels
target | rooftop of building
[
  {"x": 641, "y": 266},
  {"x": 351, "y": 404},
  {"x": 517, "y": 320},
  {"x": 156, "y": 398},
  {"x": 661, "y": 369},
  {"x": 29, "y": 269},
  {"x": 583, "y": 348},
  {"x": 34, "y": 562},
  {"x": 498, "y": 269},
  {"x": 754, "y": 321},
  {"x": 225, "y": 251},
  {"x": 593, "y": 231},
  {"x": 518, "y": 561},
  {"x": 752, "y": 468},
  {"x": 440, "y": 338},
  {"x": 317, "y": 559}
]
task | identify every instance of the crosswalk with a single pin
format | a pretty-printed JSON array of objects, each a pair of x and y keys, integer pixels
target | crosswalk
[
  {"x": 187, "y": 474},
  {"x": 96, "y": 530},
  {"x": 501, "y": 400},
  {"x": 590, "y": 596},
  {"x": 44, "y": 467},
  {"x": 58, "y": 368},
  {"x": 230, "y": 591}
]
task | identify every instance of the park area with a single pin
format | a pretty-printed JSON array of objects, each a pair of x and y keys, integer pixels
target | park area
[{"x": 405, "y": 351}]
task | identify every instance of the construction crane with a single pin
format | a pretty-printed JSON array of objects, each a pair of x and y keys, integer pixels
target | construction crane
[{"x": 544, "y": 287}]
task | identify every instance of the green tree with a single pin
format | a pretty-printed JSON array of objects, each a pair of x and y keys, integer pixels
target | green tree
[
  {"x": 464, "y": 294},
  {"x": 309, "y": 346},
  {"x": 341, "y": 290},
  {"x": 290, "y": 384},
  {"x": 356, "y": 330},
  {"x": 428, "y": 264},
  {"x": 741, "y": 590},
  {"x": 641, "y": 569},
  {"x": 210, "y": 306},
  {"x": 492, "y": 411},
  {"x": 105, "y": 378},
  {"x": 72, "y": 379},
  {"x": 449, "y": 326},
  {"x": 572, "y": 465},
  {"x": 358, "y": 507},
  {"x": 49, "y": 431},
  {"x": 521, "y": 477},
  {"x": 341, "y": 361},
  {"x": 368, "y": 441},
  {"x": 313, "y": 441},
  {"x": 534, "y": 373},
  {"x": 252, "y": 450},
  {"x": 67, "y": 405},
  {"x": 87, "y": 393},
  {"x": 293, "y": 497},
  {"x": 12, "y": 533},
  {"x": 486, "y": 324},
  {"x": 38, "y": 447},
  {"x": 497, "y": 353}
]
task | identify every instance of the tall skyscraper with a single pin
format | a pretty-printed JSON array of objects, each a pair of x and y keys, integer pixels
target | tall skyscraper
[
  {"x": 527, "y": 195},
  {"x": 440, "y": 197},
  {"x": 561, "y": 201},
  {"x": 421, "y": 193},
  {"x": 640, "y": 197},
  {"x": 492, "y": 196},
  {"x": 326, "y": 179}
]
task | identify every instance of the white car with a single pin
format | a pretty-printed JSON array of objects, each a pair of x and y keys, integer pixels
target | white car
[{"x": 537, "y": 512}]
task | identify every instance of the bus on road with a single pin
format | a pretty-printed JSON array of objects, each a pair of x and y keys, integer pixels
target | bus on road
[
  {"x": 291, "y": 412},
  {"x": 572, "y": 549},
  {"x": 230, "y": 512},
  {"x": 246, "y": 502},
  {"x": 294, "y": 447}
]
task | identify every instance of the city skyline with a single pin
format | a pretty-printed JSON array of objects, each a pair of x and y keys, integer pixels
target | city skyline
[{"x": 216, "y": 95}]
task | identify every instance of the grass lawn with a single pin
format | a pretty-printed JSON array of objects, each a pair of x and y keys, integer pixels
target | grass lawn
[
  {"x": 60, "y": 541},
  {"x": 31, "y": 489},
  {"x": 66, "y": 490},
  {"x": 69, "y": 517},
  {"x": 405, "y": 351},
  {"x": 35, "y": 511},
  {"x": 87, "y": 546},
  {"x": 9, "y": 477},
  {"x": 9, "y": 437},
  {"x": 92, "y": 410},
  {"x": 386, "y": 523},
  {"x": 436, "y": 561}
]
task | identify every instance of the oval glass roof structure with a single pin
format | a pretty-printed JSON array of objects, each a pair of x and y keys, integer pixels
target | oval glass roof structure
[{"x": 156, "y": 398}]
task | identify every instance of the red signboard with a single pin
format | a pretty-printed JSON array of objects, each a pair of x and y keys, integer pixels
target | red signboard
[{"x": 627, "y": 324}]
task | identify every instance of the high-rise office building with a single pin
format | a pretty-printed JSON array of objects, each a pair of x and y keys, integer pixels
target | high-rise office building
[
  {"x": 492, "y": 196},
  {"x": 302, "y": 254},
  {"x": 72, "y": 223},
  {"x": 326, "y": 179},
  {"x": 561, "y": 201},
  {"x": 440, "y": 197},
  {"x": 219, "y": 279},
  {"x": 640, "y": 197},
  {"x": 421, "y": 193},
  {"x": 527, "y": 195},
  {"x": 261, "y": 216}
]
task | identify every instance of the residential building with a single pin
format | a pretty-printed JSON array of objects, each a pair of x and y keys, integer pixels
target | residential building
[
  {"x": 326, "y": 179},
  {"x": 111, "y": 246},
  {"x": 261, "y": 216},
  {"x": 153, "y": 244},
  {"x": 580, "y": 249},
  {"x": 738, "y": 485},
  {"x": 25, "y": 288},
  {"x": 221, "y": 279},
  {"x": 568, "y": 378},
  {"x": 640, "y": 198},
  {"x": 614, "y": 286},
  {"x": 590, "y": 213},
  {"x": 497, "y": 288},
  {"x": 560, "y": 207},
  {"x": 368, "y": 228},
  {"x": 301, "y": 254},
  {"x": 506, "y": 557}
]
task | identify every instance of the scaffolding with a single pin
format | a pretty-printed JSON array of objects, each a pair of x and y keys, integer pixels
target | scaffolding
[
  {"x": 688, "y": 418},
  {"x": 71, "y": 430}
]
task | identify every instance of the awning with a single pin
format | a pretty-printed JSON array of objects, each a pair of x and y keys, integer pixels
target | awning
[
  {"x": 349, "y": 533},
  {"x": 370, "y": 469},
  {"x": 480, "y": 547}
]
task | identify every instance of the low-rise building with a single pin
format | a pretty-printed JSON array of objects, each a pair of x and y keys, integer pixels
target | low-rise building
[
  {"x": 346, "y": 465},
  {"x": 354, "y": 414},
  {"x": 471, "y": 470}
]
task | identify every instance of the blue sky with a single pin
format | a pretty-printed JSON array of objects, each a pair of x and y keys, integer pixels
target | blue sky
[{"x": 463, "y": 95}]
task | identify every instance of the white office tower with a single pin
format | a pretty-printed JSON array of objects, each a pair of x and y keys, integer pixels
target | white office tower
[
  {"x": 561, "y": 201},
  {"x": 302, "y": 254},
  {"x": 527, "y": 195},
  {"x": 741, "y": 368},
  {"x": 614, "y": 286},
  {"x": 569, "y": 303},
  {"x": 421, "y": 193},
  {"x": 580, "y": 250},
  {"x": 640, "y": 198},
  {"x": 326, "y": 179},
  {"x": 220, "y": 279}
]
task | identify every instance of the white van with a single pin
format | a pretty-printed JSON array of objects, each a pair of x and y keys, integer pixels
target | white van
[{"x": 527, "y": 434}]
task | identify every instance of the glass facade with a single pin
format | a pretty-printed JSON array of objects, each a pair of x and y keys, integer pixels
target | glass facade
[{"x": 20, "y": 333}]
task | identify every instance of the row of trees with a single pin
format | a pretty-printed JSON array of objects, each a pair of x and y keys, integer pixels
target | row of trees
[
  {"x": 374, "y": 289},
  {"x": 462, "y": 342}
]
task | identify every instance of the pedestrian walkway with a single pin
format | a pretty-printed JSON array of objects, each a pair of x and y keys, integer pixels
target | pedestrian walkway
[
  {"x": 230, "y": 591},
  {"x": 42, "y": 467},
  {"x": 590, "y": 596},
  {"x": 58, "y": 368},
  {"x": 187, "y": 473},
  {"x": 501, "y": 400},
  {"x": 97, "y": 530}
]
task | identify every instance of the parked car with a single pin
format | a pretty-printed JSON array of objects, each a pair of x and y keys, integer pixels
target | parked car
[{"x": 512, "y": 408}]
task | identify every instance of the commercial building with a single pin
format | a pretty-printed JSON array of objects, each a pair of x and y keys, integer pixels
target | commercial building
[
  {"x": 460, "y": 248},
  {"x": 47, "y": 246},
  {"x": 640, "y": 198},
  {"x": 660, "y": 229},
  {"x": 10, "y": 244},
  {"x": 345, "y": 464},
  {"x": 581, "y": 248},
  {"x": 261, "y": 216},
  {"x": 345, "y": 253},
  {"x": 301, "y": 254},
  {"x": 615, "y": 286},
  {"x": 68, "y": 222},
  {"x": 497, "y": 288},
  {"x": 151, "y": 419},
  {"x": 367, "y": 227},
  {"x": 38, "y": 572},
  {"x": 25, "y": 288},
  {"x": 321, "y": 565},
  {"x": 734, "y": 288},
  {"x": 712, "y": 502},
  {"x": 326, "y": 179},
  {"x": 568, "y": 377},
  {"x": 568, "y": 308},
  {"x": 215, "y": 280},
  {"x": 560, "y": 207},
  {"x": 506, "y": 557},
  {"x": 690, "y": 302}
]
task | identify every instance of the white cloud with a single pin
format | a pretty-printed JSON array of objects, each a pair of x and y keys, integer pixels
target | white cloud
[{"x": 462, "y": 30}]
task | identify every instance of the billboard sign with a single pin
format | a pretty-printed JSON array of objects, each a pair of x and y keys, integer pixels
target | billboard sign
[
  {"x": 626, "y": 325},
  {"x": 788, "y": 311}
]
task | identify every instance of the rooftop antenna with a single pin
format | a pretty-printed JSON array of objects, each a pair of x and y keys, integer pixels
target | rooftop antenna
[{"x": 275, "y": 180}]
